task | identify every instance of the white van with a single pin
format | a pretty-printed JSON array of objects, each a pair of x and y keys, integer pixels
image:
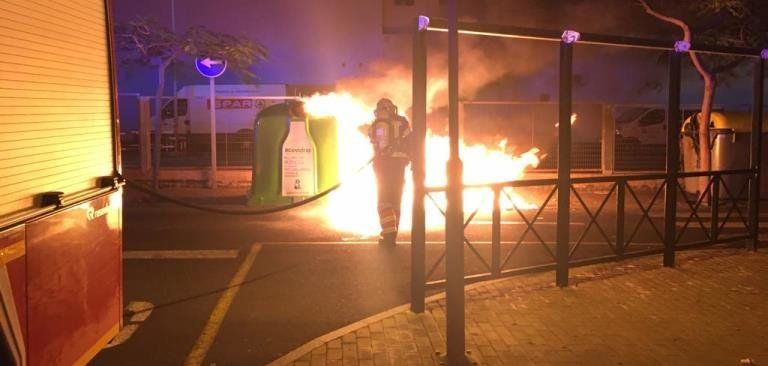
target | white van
[{"x": 236, "y": 107}]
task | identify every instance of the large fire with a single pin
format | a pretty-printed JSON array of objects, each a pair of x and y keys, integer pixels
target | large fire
[{"x": 352, "y": 208}]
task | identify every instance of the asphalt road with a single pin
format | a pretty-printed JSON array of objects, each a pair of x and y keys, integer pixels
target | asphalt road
[
  {"x": 275, "y": 282},
  {"x": 291, "y": 294}
]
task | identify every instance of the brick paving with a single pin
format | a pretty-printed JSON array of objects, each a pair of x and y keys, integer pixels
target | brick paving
[{"x": 712, "y": 309}]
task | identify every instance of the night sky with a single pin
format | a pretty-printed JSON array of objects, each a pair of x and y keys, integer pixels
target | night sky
[{"x": 324, "y": 43}]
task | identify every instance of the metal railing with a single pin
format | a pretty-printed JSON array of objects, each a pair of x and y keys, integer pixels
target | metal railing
[
  {"x": 564, "y": 183},
  {"x": 632, "y": 211},
  {"x": 633, "y": 156},
  {"x": 232, "y": 149}
]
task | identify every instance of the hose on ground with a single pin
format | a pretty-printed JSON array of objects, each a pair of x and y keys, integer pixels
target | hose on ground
[{"x": 264, "y": 211}]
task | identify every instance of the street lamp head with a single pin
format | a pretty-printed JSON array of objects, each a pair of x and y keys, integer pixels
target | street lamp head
[
  {"x": 764, "y": 54},
  {"x": 682, "y": 46},
  {"x": 423, "y": 22},
  {"x": 570, "y": 36}
]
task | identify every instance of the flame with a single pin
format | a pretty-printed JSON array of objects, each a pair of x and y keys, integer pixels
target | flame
[
  {"x": 352, "y": 208},
  {"x": 574, "y": 117}
]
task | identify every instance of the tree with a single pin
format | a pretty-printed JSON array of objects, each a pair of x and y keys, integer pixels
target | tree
[
  {"x": 722, "y": 22},
  {"x": 144, "y": 41}
]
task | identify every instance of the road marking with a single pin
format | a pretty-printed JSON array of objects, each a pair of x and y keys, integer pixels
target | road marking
[
  {"x": 181, "y": 254},
  {"x": 515, "y": 222},
  {"x": 407, "y": 242},
  {"x": 91, "y": 352},
  {"x": 211, "y": 329},
  {"x": 141, "y": 311}
]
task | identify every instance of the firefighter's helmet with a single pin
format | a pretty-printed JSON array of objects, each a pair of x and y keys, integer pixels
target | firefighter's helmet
[{"x": 385, "y": 108}]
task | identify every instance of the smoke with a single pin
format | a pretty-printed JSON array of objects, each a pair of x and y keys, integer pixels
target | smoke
[
  {"x": 482, "y": 62},
  {"x": 382, "y": 79}
]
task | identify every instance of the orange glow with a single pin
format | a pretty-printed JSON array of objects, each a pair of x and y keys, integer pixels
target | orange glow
[
  {"x": 574, "y": 117},
  {"x": 352, "y": 208}
]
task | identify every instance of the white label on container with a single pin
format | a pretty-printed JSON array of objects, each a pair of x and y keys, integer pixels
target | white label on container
[{"x": 298, "y": 173}]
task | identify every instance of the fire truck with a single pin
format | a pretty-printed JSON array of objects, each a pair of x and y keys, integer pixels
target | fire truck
[{"x": 60, "y": 195}]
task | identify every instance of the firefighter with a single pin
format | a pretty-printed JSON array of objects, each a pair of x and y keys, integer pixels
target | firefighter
[{"x": 389, "y": 134}]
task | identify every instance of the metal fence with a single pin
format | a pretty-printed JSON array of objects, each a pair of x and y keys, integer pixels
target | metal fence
[
  {"x": 619, "y": 217},
  {"x": 584, "y": 156},
  {"x": 560, "y": 252},
  {"x": 633, "y": 156},
  {"x": 232, "y": 149},
  {"x": 185, "y": 140}
]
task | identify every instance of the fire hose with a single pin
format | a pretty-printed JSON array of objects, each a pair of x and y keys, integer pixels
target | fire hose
[{"x": 264, "y": 211}]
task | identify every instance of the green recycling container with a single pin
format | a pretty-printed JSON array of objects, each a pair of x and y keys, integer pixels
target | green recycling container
[
  {"x": 290, "y": 146},
  {"x": 324, "y": 132}
]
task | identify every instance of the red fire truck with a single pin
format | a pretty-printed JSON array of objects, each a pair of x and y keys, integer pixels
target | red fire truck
[{"x": 60, "y": 198}]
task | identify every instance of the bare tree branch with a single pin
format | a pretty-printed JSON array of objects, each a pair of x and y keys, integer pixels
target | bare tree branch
[
  {"x": 704, "y": 158},
  {"x": 686, "y": 37},
  {"x": 681, "y": 24}
]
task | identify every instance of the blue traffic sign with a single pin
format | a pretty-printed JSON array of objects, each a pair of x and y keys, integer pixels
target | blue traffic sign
[{"x": 209, "y": 67}]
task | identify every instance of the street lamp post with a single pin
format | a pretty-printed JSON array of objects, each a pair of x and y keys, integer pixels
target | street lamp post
[
  {"x": 673, "y": 152},
  {"x": 419, "y": 115},
  {"x": 454, "y": 218},
  {"x": 564, "y": 156},
  {"x": 755, "y": 155}
]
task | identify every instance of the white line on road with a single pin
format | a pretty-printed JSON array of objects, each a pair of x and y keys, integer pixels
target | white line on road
[
  {"x": 208, "y": 335},
  {"x": 406, "y": 242},
  {"x": 141, "y": 311},
  {"x": 516, "y": 222},
  {"x": 181, "y": 254}
]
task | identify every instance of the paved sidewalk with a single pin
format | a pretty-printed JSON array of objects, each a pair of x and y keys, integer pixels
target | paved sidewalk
[{"x": 710, "y": 310}]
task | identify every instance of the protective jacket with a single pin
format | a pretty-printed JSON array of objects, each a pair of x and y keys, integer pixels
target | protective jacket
[{"x": 390, "y": 137}]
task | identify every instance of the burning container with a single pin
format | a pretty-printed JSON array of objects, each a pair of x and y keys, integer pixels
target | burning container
[
  {"x": 294, "y": 157},
  {"x": 730, "y": 148}
]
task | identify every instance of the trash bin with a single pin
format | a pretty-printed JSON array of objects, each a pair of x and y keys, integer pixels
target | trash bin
[
  {"x": 294, "y": 156},
  {"x": 325, "y": 134},
  {"x": 730, "y": 150},
  {"x": 729, "y": 134}
]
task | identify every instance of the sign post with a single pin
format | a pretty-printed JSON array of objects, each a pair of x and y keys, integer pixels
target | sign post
[{"x": 211, "y": 69}]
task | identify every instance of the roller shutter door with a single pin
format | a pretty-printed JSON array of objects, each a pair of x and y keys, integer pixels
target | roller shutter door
[{"x": 55, "y": 99}]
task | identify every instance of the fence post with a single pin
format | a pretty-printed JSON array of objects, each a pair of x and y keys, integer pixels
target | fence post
[
  {"x": 496, "y": 233},
  {"x": 673, "y": 156},
  {"x": 715, "y": 208},
  {"x": 621, "y": 190},
  {"x": 608, "y": 142},
  {"x": 755, "y": 156},
  {"x": 564, "y": 160},
  {"x": 226, "y": 149},
  {"x": 145, "y": 141},
  {"x": 418, "y": 235}
]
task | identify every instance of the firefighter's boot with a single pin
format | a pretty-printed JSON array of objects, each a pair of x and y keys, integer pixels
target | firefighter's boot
[{"x": 387, "y": 239}]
